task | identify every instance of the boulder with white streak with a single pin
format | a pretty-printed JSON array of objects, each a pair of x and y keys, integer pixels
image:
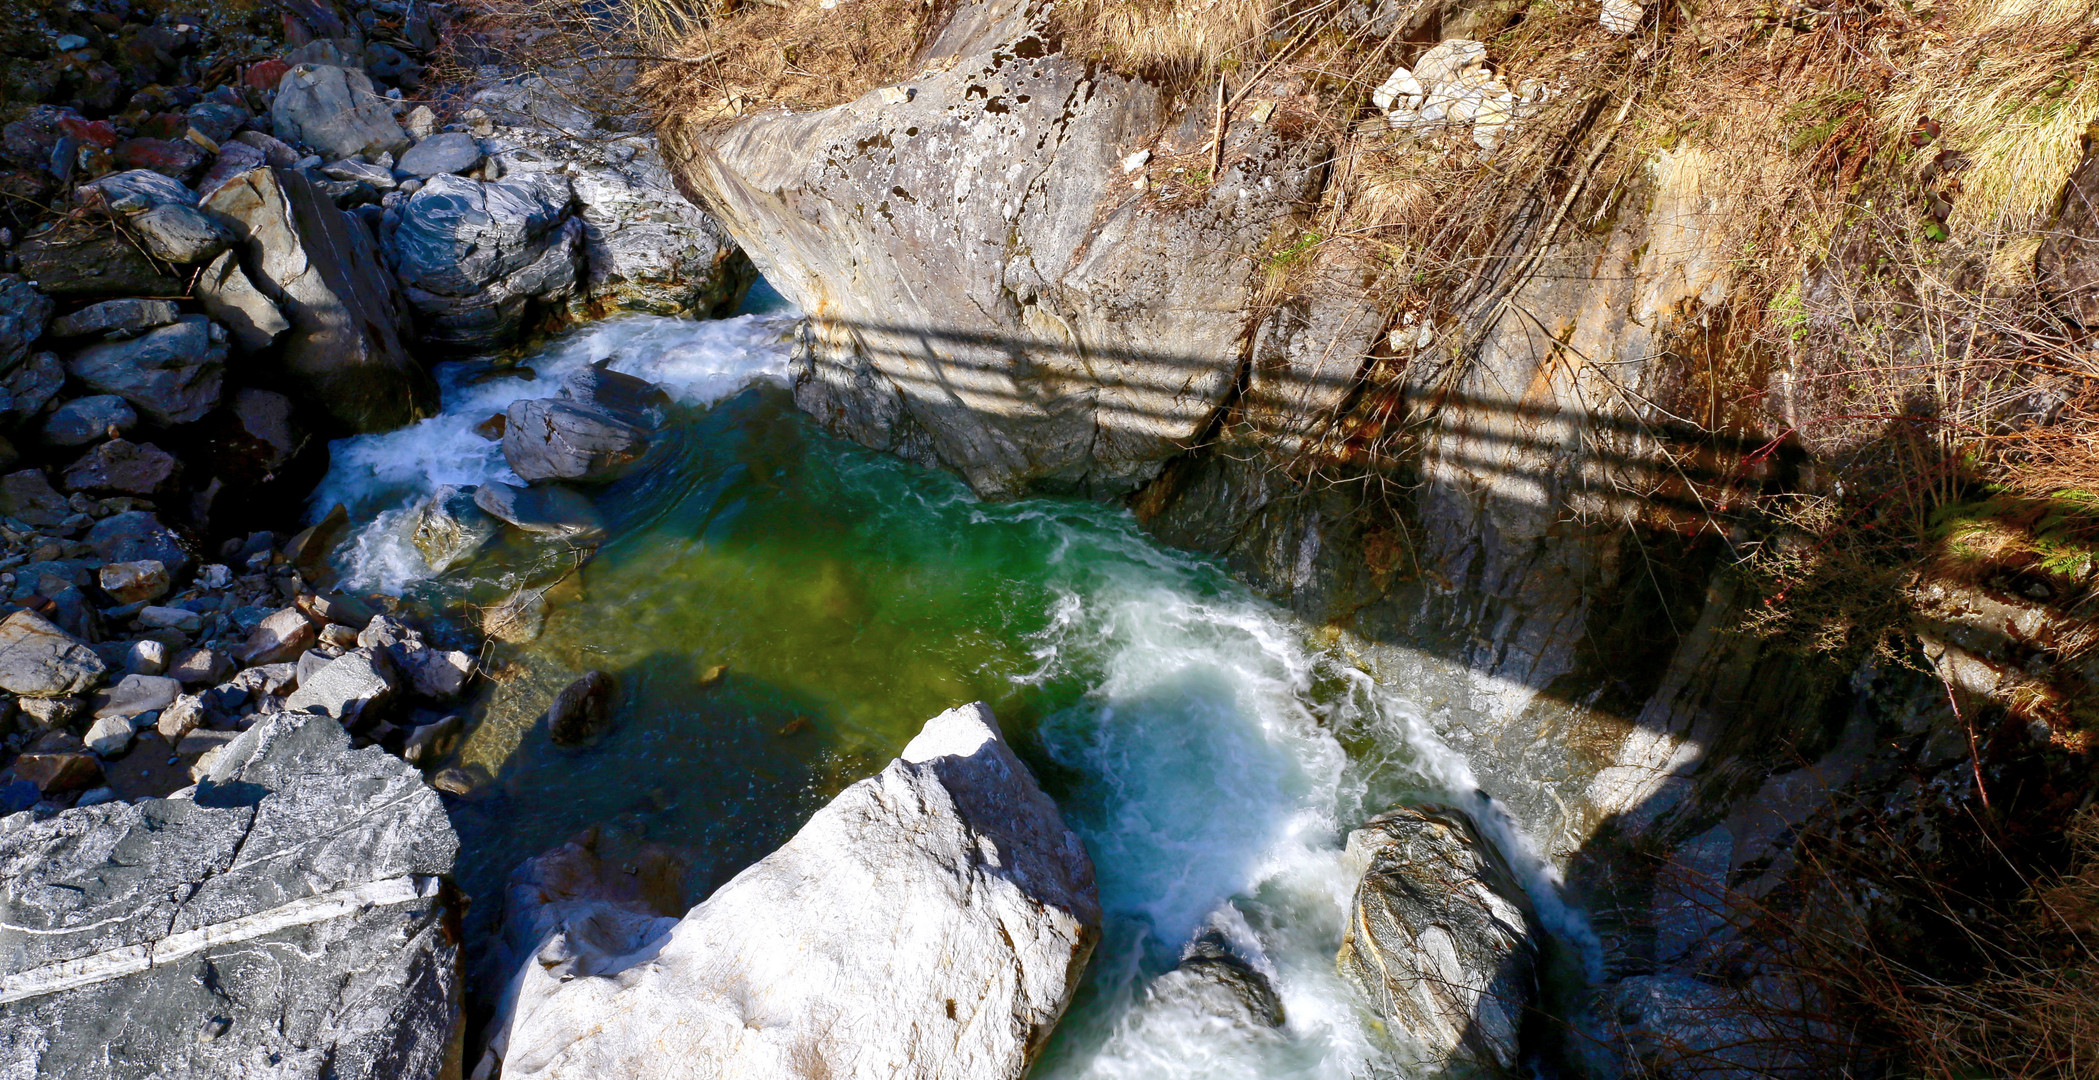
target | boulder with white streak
[{"x": 288, "y": 921}]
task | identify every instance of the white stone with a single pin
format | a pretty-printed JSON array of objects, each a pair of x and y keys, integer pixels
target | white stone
[
  {"x": 1402, "y": 91},
  {"x": 1621, "y": 17},
  {"x": 110, "y": 736},
  {"x": 929, "y": 923},
  {"x": 1133, "y": 162},
  {"x": 1447, "y": 60}
]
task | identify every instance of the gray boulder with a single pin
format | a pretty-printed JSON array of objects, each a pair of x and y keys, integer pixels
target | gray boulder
[
  {"x": 290, "y": 921},
  {"x": 23, "y": 313},
  {"x": 648, "y": 248},
  {"x": 229, "y": 296},
  {"x": 319, "y": 267},
  {"x": 38, "y": 660},
  {"x": 1214, "y": 981},
  {"x": 134, "y": 582},
  {"x": 33, "y": 385},
  {"x": 173, "y": 375},
  {"x": 884, "y": 939},
  {"x": 1036, "y": 323},
  {"x": 125, "y": 318},
  {"x": 437, "y": 674},
  {"x": 280, "y": 638},
  {"x": 122, "y": 467},
  {"x": 545, "y": 509},
  {"x": 336, "y": 111},
  {"x": 449, "y": 528},
  {"x": 135, "y": 535},
  {"x": 474, "y": 257},
  {"x": 180, "y": 234},
  {"x": 355, "y": 688},
  {"x": 360, "y": 172},
  {"x": 28, "y": 497},
  {"x": 445, "y": 152},
  {"x": 1440, "y": 938},
  {"x": 135, "y": 694},
  {"x": 559, "y": 439},
  {"x": 78, "y": 262},
  {"x": 83, "y": 420},
  {"x": 133, "y": 191}
]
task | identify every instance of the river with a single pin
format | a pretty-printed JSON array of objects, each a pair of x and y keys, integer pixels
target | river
[{"x": 1211, "y": 754}]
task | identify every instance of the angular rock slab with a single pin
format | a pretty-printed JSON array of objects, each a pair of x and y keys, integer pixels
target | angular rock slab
[
  {"x": 172, "y": 375},
  {"x": 1440, "y": 938},
  {"x": 319, "y": 267},
  {"x": 38, "y": 659},
  {"x": 288, "y": 922},
  {"x": 932, "y": 921}
]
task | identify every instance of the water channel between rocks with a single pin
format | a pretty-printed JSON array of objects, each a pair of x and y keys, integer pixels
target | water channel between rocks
[{"x": 1211, "y": 756}]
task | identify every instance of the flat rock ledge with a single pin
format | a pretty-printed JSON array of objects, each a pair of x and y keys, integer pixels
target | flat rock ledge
[
  {"x": 286, "y": 918},
  {"x": 931, "y": 922}
]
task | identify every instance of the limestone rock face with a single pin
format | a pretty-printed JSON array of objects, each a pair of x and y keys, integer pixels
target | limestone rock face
[
  {"x": 987, "y": 287},
  {"x": 287, "y": 921},
  {"x": 320, "y": 268},
  {"x": 932, "y": 921},
  {"x": 1440, "y": 938}
]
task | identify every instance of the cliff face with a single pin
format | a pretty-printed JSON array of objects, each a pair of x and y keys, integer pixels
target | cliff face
[
  {"x": 996, "y": 284},
  {"x": 1535, "y": 491}
]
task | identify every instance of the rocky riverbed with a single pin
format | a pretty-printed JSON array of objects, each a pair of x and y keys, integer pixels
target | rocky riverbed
[{"x": 434, "y": 639}]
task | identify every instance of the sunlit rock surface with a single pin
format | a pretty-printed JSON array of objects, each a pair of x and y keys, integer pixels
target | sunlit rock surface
[{"x": 931, "y": 921}]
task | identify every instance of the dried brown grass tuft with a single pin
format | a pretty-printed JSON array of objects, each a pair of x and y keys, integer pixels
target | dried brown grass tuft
[
  {"x": 1166, "y": 37},
  {"x": 790, "y": 53}
]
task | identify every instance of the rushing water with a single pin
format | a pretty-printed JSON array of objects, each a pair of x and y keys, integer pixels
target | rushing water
[{"x": 1211, "y": 757}]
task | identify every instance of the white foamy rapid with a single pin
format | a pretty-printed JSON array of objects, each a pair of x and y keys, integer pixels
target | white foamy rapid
[
  {"x": 1216, "y": 793},
  {"x": 383, "y": 477}
]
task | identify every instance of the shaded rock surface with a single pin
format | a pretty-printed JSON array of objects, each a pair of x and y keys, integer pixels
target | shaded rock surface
[
  {"x": 880, "y": 941},
  {"x": 289, "y": 916},
  {"x": 319, "y": 267},
  {"x": 172, "y": 375}
]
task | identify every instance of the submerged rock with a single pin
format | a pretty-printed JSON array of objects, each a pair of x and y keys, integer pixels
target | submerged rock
[
  {"x": 288, "y": 921},
  {"x": 583, "y": 709},
  {"x": 1440, "y": 938},
  {"x": 931, "y": 922},
  {"x": 546, "y": 509},
  {"x": 1213, "y": 980},
  {"x": 449, "y": 527}
]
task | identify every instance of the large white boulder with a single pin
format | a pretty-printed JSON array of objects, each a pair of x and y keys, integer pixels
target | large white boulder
[{"x": 932, "y": 921}]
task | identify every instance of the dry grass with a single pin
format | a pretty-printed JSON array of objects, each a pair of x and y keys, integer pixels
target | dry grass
[
  {"x": 790, "y": 53},
  {"x": 1166, "y": 37}
]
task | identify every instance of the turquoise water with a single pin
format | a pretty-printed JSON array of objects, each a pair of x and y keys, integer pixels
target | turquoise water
[{"x": 1211, "y": 757}]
